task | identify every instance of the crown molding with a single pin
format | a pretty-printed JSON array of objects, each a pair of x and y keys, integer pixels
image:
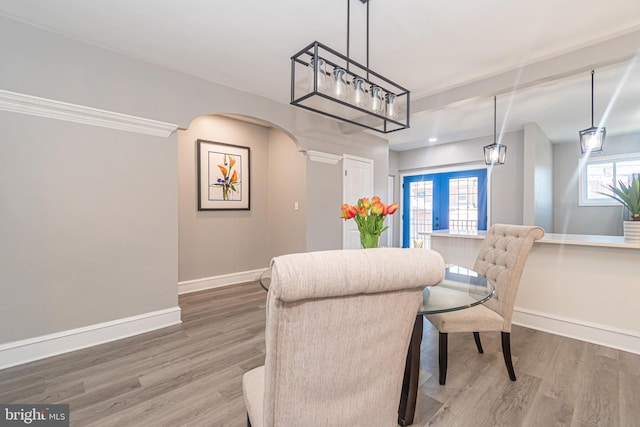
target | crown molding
[
  {"x": 318, "y": 156},
  {"x": 43, "y": 107}
]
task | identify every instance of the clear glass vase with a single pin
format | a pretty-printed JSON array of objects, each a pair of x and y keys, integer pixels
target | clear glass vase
[{"x": 368, "y": 240}]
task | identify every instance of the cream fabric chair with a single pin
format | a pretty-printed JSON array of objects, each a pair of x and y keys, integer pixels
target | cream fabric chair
[
  {"x": 501, "y": 259},
  {"x": 337, "y": 333}
]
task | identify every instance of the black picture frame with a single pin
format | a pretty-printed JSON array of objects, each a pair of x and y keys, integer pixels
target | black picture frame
[{"x": 224, "y": 176}]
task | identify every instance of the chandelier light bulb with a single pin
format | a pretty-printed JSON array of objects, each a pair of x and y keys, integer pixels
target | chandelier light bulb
[
  {"x": 392, "y": 106},
  {"x": 593, "y": 139},
  {"x": 592, "y": 142},
  {"x": 339, "y": 85},
  {"x": 359, "y": 95},
  {"x": 377, "y": 99},
  {"x": 494, "y": 155}
]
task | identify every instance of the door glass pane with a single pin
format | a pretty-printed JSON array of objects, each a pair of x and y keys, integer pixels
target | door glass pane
[
  {"x": 463, "y": 204},
  {"x": 420, "y": 212}
]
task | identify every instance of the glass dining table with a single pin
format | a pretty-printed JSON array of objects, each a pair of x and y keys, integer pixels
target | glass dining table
[{"x": 461, "y": 288}]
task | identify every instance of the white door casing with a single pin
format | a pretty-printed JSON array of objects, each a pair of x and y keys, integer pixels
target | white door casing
[{"x": 357, "y": 182}]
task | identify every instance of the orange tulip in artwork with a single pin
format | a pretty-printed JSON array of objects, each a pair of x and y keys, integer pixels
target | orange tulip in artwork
[{"x": 229, "y": 181}]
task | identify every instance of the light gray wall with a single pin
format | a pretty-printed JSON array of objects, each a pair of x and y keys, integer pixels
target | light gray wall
[
  {"x": 538, "y": 178},
  {"x": 221, "y": 242},
  {"x": 570, "y": 218},
  {"x": 324, "y": 184},
  {"x": 287, "y": 185},
  {"x": 136, "y": 235},
  {"x": 324, "y": 231},
  {"x": 88, "y": 225},
  {"x": 506, "y": 204}
]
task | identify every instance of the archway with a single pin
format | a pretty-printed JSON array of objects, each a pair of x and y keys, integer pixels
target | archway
[{"x": 222, "y": 247}]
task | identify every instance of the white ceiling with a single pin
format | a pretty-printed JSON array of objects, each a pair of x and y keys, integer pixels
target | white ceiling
[{"x": 448, "y": 53}]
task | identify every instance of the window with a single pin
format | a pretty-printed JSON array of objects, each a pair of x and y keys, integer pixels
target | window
[{"x": 596, "y": 174}]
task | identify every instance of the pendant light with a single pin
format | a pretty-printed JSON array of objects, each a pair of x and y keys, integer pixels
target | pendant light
[
  {"x": 592, "y": 139},
  {"x": 334, "y": 85},
  {"x": 495, "y": 153}
]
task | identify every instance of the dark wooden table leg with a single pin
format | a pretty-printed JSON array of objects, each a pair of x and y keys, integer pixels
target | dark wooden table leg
[{"x": 409, "y": 392}]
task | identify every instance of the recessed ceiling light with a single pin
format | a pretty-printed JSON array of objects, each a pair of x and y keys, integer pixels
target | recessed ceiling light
[{"x": 433, "y": 139}]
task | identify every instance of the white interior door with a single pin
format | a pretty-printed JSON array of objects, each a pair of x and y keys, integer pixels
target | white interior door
[{"x": 357, "y": 182}]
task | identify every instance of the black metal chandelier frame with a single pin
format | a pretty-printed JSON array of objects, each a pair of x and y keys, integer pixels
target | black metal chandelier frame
[
  {"x": 496, "y": 153},
  {"x": 323, "y": 102}
]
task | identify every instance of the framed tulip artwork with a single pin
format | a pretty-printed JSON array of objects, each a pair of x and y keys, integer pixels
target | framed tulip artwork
[{"x": 223, "y": 176}]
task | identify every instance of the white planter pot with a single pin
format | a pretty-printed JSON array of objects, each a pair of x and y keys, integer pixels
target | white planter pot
[{"x": 632, "y": 230}]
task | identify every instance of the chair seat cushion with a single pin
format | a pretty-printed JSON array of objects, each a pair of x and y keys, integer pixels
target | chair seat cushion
[
  {"x": 253, "y": 389},
  {"x": 474, "y": 319}
]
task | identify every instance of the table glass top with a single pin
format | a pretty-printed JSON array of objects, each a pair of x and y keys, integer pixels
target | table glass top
[{"x": 461, "y": 288}]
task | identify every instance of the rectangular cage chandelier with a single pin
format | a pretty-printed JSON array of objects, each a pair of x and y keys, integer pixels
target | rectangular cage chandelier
[{"x": 329, "y": 83}]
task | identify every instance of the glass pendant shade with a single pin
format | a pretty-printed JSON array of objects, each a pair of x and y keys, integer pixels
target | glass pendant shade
[
  {"x": 495, "y": 154},
  {"x": 391, "y": 107},
  {"x": 339, "y": 85},
  {"x": 377, "y": 99},
  {"x": 359, "y": 94},
  {"x": 592, "y": 140},
  {"x": 317, "y": 75}
]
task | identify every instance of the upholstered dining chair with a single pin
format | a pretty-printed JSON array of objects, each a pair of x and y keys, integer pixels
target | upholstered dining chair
[
  {"x": 502, "y": 258},
  {"x": 337, "y": 332}
]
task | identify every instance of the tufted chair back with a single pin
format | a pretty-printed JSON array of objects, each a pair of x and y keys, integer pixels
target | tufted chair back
[
  {"x": 501, "y": 259},
  {"x": 337, "y": 332}
]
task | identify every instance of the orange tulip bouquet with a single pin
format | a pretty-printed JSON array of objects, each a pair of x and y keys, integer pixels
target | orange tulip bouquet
[{"x": 369, "y": 215}]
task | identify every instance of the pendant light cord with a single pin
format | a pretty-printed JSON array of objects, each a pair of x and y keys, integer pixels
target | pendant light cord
[
  {"x": 348, "y": 30},
  {"x": 349, "y": 33},
  {"x": 494, "y": 119},
  {"x": 592, "y": 71},
  {"x": 367, "y": 40}
]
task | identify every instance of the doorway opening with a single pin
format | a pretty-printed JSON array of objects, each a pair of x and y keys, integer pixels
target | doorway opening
[{"x": 455, "y": 201}]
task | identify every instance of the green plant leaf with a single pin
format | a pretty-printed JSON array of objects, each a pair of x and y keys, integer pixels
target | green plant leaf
[{"x": 627, "y": 195}]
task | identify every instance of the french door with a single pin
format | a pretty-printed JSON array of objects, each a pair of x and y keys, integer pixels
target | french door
[{"x": 456, "y": 201}]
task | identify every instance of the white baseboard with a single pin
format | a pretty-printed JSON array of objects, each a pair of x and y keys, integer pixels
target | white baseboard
[
  {"x": 196, "y": 285},
  {"x": 620, "y": 339},
  {"x": 23, "y": 351}
]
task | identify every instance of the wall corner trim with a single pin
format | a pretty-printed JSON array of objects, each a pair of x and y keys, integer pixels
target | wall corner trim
[
  {"x": 320, "y": 157},
  {"x": 43, "y": 107},
  {"x": 31, "y": 349}
]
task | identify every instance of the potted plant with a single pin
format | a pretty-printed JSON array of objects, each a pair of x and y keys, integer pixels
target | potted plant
[{"x": 629, "y": 196}]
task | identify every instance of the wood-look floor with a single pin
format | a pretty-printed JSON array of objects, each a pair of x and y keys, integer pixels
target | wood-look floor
[{"x": 190, "y": 375}]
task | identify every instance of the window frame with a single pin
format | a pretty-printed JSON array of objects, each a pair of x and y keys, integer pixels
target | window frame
[{"x": 583, "y": 164}]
